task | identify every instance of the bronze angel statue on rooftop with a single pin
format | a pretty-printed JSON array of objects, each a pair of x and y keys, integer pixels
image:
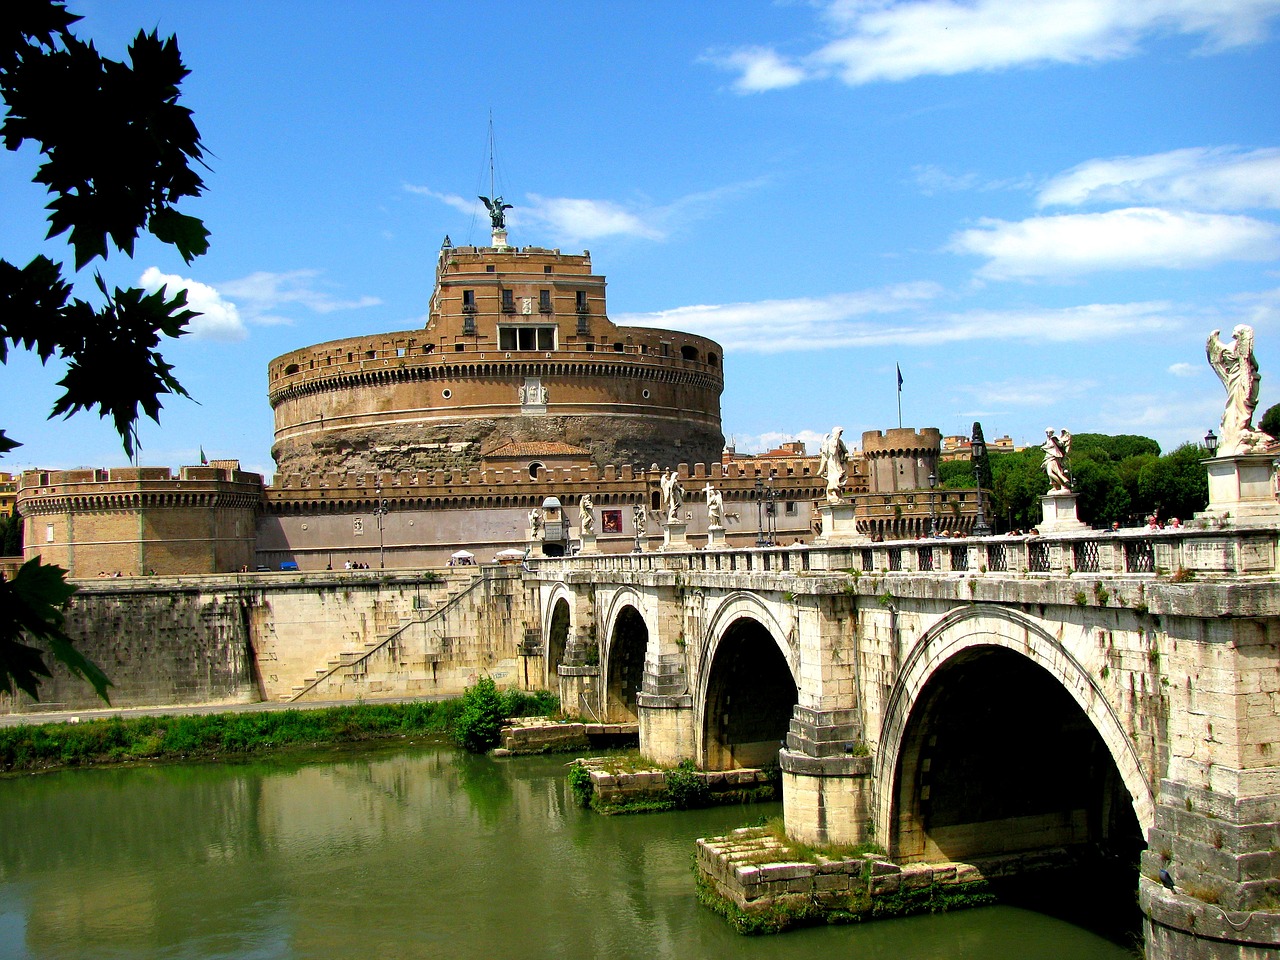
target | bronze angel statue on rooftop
[{"x": 496, "y": 212}]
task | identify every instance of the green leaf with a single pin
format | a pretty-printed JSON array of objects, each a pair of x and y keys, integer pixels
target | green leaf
[
  {"x": 186, "y": 233},
  {"x": 31, "y": 609}
]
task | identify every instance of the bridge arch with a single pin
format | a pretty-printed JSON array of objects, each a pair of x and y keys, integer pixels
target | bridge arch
[
  {"x": 622, "y": 657},
  {"x": 994, "y": 659},
  {"x": 747, "y": 687}
]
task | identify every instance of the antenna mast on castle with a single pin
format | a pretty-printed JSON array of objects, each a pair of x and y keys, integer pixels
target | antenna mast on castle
[{"x": 494, "y": 202}]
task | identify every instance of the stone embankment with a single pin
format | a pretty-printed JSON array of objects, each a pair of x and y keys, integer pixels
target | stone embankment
[{"x": 525, "y": 735}]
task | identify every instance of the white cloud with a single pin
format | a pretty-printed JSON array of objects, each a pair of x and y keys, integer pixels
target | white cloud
[
  {"x": 860, "y": 319},
  {"x": 264, "y": 292},
  {"x": 1005, "y": 395},
  {"x": 1127, "y": 239},
  {"x": 572, "y": 220},
  {"x": 760, "y": 69},
  {"x": 1220, "y": 178},
  {"x": 219, "y": 318},
  {"x": 1183, "y": 369},
  {"x": 772, "y": 439},
  {"x": 893, "y": 41}
]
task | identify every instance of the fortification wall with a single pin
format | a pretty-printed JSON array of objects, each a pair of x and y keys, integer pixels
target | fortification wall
[{"x": 246, "y": 638}]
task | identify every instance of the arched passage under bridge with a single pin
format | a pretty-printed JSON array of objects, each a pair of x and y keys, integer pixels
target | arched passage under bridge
[
  {"x": 997, "y": 758},
  {"x": 750, "y": 697}
]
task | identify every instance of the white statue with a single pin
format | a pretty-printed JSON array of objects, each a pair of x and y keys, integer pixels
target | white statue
[
  {"x": 672, "y": 495},
  {"x": 1237, "y": 368},
  {"x": 524, "y": 394},
  {"x": 535, "y": 523},
  {"x": 586, "y": 516},
  {"x": 640, "y": 517},
  {"x": 1056, "y": 450},
  {"x": 832, "y": 459},
  {"x": 542, "y": 395},
  {"x": 715, "y": 506}
]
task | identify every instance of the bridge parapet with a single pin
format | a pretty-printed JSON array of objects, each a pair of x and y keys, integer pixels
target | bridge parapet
[{"x": 1182, "y": 552}]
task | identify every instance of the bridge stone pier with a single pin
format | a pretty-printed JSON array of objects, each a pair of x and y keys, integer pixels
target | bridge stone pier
[{"x": 968, "y": 700}]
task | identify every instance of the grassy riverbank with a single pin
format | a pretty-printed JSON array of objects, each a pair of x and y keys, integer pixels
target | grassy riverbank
[{"x": 51, "y": 746}]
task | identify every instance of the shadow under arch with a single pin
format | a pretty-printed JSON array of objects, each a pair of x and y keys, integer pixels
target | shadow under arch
[
  {"x": 747, "y": 690},
  {"x": 624, "y": 665},
  {"x": 995, "y": 738}
]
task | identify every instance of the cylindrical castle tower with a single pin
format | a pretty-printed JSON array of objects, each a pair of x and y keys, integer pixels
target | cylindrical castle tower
[
  {"x": 517, "y": 346},
  {"x": 901, "y": 459}
]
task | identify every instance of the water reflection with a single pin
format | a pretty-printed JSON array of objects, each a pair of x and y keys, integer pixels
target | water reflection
[{"x": 422, "y": 852}]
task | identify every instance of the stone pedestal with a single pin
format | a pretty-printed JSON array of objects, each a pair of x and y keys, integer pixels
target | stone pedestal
[
  {"x": 838, "y": 524},
  {"x": 1241, "y": 489},
  {"x": 588, "y": 543},
  {"x": 673, "y": 535},
  {"x": 1058, "y": 512},
  {"x": 715, "y": 539},
  {"x": 535, "y": 544},
  {"x": 499, "y": 237}
]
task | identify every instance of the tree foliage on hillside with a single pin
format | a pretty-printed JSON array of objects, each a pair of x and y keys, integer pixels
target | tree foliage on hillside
[
  {"x": 1120, "y": 478},
  {"x": 117, "y": 152}
]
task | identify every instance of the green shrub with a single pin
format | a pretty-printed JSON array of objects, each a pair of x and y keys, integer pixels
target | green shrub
[
  {"x": 685, "y": 788},
  {"x": 580, "y": 784},
  {"x": 480, "y": 722}
]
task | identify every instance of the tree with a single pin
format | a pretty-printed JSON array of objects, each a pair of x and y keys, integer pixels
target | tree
[
  {"x": 117, "y": 154},
  {"x": 1270, "y": 422}
]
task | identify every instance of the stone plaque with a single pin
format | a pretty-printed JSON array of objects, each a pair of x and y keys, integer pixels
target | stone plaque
[{"x": 1217, "y": 555}]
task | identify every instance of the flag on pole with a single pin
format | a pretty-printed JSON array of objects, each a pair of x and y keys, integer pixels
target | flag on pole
[
  {"x": 204, "y": 461},
  {"x": 899, "y": 377}
]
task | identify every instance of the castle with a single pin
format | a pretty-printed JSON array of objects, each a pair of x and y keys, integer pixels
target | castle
[{"x": 405, "y": 449}]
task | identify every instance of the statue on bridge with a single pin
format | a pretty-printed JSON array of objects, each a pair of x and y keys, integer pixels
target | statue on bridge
[
  {"x": 715, "y": 506},
  {"x": 833, "y": 457},
  {"x": 535, "y": 523},
  {"x": 1056, "y": 450},
  {"x": 672, "y": 495},
  {"x": 1237, "y": 368},
  {"x": 586, "y": 516}
]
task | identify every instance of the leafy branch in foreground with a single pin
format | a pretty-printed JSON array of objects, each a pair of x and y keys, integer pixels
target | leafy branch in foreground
[
  {"x": 31, "y": 608},
  {"x": 117, "y": 153}
]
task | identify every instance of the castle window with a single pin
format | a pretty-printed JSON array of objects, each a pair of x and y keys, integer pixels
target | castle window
[
  {"x": 590, "y": 347},
  {"x": 618, "y": 348},
  {"x": 290, "y": 369},
  {"x": 459, "y": 347},
  {"x": 534, "y": 469},
  {"x": 666, "y": 349},
  {"x": 446, "y": 393},
  {"x": 370, "y": 354},
  {"x": 48, "y": 533},
  {"x": 488, "y": 268},
  {"x": 468, "y": 325},
  {"x": 712, "y": 359},
  {"x": 399, "y": 351},
  {"x": 689, "y": 353},
  {"x": 546, "y": 268},
  {"x": 527, "y": 337},
  {"x": 544, "y": 301},
  {"x": 580, "y": 301},
  {"x": 645, "y": 394},
  {"x": 508, "y": 301},
  {"x": 468, "y": 301}
]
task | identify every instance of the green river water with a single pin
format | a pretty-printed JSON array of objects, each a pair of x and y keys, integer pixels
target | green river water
[{"x": 418, "y": 851}]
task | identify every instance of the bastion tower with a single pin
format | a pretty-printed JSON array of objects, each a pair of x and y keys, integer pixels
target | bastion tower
[{"x": 518, "y": 347}]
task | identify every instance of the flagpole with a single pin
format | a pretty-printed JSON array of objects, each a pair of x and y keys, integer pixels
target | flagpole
[{"x": 899, "y": 369}]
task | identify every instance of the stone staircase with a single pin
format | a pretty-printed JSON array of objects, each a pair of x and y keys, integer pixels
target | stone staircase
[{"x": 352, "y": 662}]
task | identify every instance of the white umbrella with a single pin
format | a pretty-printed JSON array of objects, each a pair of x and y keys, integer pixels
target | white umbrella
[
  {"x": 509, "y": 554},
  {"x": 463, "y": 555}
]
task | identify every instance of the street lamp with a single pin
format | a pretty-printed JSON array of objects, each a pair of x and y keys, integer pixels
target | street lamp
[
  {"x": 1211, "y": 442},
  {"x": 933, "y": 518},
  {"x": 978, "y": 452},
  {"x": 380, "y": 511},
  {"x": 771, "y": 511},
  {"x": 760, "y": 542}
]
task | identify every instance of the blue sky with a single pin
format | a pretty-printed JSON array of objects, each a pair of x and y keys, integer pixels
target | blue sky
[{"x": 1039, "y": 210}]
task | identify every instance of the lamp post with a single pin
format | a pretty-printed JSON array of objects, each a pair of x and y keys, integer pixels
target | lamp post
[
  {"x": 933, "y": 517},
  {"x": 771, "y": 511},
  {"x": 978, "y": 453},
  {"x": 1211, "y": 442},
  {"x": 759, "y": 512},
  {"x": 380, "y": 511},
  {"x": 641, "y": 516}
]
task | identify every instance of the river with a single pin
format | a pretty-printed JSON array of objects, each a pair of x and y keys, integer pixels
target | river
[{"x": 417, "y": 851}]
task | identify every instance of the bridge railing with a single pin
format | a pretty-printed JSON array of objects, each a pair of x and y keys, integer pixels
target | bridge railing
[{"x": 1226, "y": 551}]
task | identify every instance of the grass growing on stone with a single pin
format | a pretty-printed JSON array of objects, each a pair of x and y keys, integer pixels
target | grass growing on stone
[
  {"x": 775, "y": 827},
  {"x": 208, "y": 736}
]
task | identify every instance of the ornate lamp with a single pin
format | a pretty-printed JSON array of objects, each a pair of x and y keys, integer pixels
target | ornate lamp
[{"x": 1211, "y": 442}]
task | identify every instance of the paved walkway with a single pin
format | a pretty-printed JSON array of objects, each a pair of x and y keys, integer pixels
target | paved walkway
[{"x": 76, "y": 716}]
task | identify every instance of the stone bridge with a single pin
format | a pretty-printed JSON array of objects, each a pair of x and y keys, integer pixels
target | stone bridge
[{"x": 962, "y": 700}]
